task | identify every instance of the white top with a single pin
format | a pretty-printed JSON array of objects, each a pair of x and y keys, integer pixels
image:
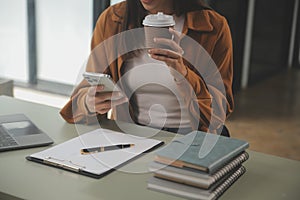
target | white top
[{"x": 157, "y": 101}]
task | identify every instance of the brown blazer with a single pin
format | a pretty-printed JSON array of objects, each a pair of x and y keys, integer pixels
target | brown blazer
[{"x": 209, "y": 99}]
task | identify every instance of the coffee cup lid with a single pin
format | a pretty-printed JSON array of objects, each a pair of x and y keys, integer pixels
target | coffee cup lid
[{"x": 159, "y": 20}]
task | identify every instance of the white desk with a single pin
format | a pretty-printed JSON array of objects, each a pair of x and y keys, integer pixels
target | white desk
[{"x": 267, "y": 177}]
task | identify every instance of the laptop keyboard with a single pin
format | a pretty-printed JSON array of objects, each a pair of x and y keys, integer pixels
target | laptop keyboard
[{"x": 5, "y": 139}]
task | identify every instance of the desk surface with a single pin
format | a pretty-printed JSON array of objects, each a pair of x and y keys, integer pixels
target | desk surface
[{"x": 267, "y": 177}]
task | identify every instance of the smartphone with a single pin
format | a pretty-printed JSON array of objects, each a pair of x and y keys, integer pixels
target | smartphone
[{"x": 95, "y": 79}]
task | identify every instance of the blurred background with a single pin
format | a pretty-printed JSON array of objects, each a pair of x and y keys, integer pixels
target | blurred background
[{"x": 44, "y": 44}]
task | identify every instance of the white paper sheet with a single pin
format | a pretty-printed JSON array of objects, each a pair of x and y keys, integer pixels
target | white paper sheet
[{"x": 68, "y": 153}]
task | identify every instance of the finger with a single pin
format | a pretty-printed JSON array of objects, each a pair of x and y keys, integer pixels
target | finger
[
  {"x": 173, "y": 45},
  {"x": 164, "y": 52},
  {"x": 90, "y": 104},
  {"x": 99, "y": 88},
  {"x": 107, "y": 105},
  {"x": 171, "y": 62},
  {"x": 177, "y": 38},
  {"x": 103, "y": 111},
  {"x": 95, "y": 104},
  {"x": 176, "y": 34},
  {"x": 111, "y": 103},
  {"x": 93, "y": 89},
  {"x": 119, "y": 101},
  {"x": 103, "y": 105},
  {"x": 105, "y": 96},
  {"x": 100, "y": 99},
  {"x": 167, "y": 42},
  {"x": 117, "y": 95}
]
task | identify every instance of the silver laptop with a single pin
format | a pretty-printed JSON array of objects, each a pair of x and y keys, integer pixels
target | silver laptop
[{"x": 17, "y": 131}]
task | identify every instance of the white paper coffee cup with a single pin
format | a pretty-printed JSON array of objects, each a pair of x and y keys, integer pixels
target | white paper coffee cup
[{"x": 157, "y": 26}]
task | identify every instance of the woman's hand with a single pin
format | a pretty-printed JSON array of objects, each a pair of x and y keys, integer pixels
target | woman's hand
[
  {"x": 101, "y": 102},
  {"x": 173, "y": 56}
]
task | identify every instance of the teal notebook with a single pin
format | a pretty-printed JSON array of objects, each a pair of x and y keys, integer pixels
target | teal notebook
[{"x": 201, "y": 151}]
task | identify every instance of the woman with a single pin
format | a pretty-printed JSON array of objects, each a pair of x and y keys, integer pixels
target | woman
[{"x": 203, "y": 107}]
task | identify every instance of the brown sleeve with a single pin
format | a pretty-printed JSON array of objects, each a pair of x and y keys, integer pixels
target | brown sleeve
[
  {"x": 75, "y": 110},
  {"x": 209, "y": 96}
]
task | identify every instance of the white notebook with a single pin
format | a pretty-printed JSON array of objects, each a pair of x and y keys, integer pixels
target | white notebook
[
  {"x": 190, "y": 192},
  {"x": 68, "y": 155}
]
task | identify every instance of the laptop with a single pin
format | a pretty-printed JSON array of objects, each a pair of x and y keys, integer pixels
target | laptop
[{"x": 17, "y": 131}]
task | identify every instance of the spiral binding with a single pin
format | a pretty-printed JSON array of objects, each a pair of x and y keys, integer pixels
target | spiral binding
[
  {"x": 224, "y": 186},
  {"x": 231, "y": 165}
]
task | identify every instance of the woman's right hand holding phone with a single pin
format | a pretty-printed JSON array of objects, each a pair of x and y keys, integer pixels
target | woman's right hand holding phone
[{"x": 99, "y": 101}]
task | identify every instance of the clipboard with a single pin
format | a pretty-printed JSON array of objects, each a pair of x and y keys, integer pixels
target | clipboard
[{"x": 67, "y": 155}]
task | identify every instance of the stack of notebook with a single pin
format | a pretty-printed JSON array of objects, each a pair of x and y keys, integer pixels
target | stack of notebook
[{"x": 198, "y": 165}]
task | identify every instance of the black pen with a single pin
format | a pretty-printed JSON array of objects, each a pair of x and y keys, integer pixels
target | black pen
[{"x": 105, "y": 148}]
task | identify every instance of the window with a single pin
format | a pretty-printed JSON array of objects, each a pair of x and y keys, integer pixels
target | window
[
  {"x": 64, "y": 29},
  {"x": 13, "y": 40},
  {"x": 60, "y": 31}
]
